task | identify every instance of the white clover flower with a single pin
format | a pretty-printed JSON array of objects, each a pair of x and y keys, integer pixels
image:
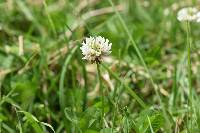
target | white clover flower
[
  {"x": 94, "y": 48},
  {"x": 187, "y": 14}
]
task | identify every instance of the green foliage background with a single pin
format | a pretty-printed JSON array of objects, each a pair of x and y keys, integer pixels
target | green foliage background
[{"x": 49, "y": 88}]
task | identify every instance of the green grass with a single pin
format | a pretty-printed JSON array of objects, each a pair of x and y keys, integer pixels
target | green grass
[{"x": 142, "y": 87}]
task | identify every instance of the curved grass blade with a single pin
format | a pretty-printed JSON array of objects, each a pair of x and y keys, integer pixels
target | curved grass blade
[
  {"x": 33, "y": 121},
  {"x": 62, "y": 78}
]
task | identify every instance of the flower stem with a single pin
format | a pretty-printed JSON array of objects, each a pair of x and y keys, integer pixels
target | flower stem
[
  {"x": 102, "y": 95},
  {"x": 85, "y": 88},
  {"x": 189, "y": 62}
]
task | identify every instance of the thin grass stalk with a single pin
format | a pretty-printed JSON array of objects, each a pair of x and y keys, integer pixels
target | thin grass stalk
[
  {"x": 189, "y": 68},
  {"x": 50, "y": 19}
]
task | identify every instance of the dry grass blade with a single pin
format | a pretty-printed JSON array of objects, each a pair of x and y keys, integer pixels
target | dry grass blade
[
  {"x": 84, "y": 3},
  {"x": 85, "y": 17}
]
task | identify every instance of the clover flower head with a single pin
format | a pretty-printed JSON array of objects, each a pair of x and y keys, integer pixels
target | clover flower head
[
  {"x": 187, "y": 14},
  {"x": 94, "y": 48}
]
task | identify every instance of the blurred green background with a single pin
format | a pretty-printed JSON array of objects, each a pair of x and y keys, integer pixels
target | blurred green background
[{"x": 37, "y": 39}]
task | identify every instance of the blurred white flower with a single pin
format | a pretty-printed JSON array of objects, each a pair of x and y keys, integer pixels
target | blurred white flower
[
  {"x": 94, "y": 48},
  {"x": 175, "y": 6},
  {"x": 166, "y": 11},
  {"x": 146, "y": 3},
  {"x": 198, "y": 17},
  {"x": 187, "y": 14}
]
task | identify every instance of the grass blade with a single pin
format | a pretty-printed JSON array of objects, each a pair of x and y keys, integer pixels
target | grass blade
[{"x": 62, "y": 78}]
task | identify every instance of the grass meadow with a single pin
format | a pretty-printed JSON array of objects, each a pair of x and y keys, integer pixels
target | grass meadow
[{"x": 150, "y": 83}]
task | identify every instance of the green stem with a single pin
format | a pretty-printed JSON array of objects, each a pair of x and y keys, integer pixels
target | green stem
[
  {"x": 102, "y": 94},
  {"x": 189, "y": 68}
]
